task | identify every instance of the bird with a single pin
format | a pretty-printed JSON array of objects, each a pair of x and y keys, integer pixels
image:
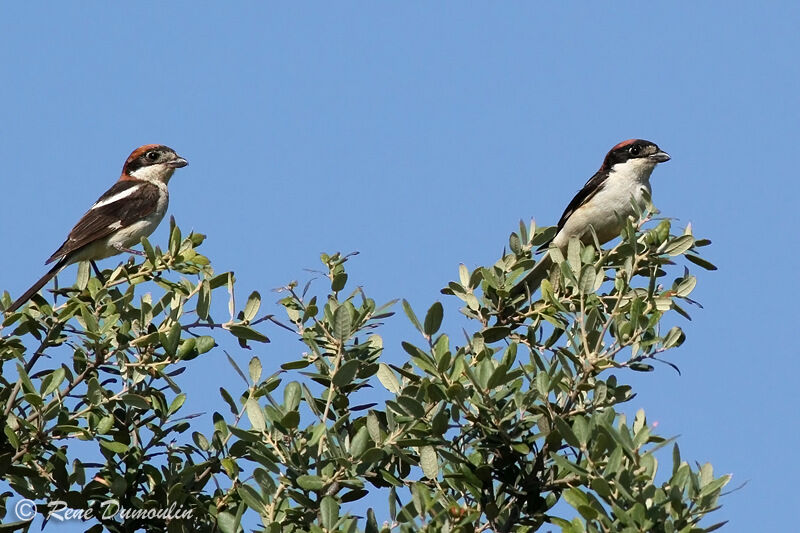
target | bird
[
  {"x": 131, "y": 209},
  {"x": 603, "y": 203}
]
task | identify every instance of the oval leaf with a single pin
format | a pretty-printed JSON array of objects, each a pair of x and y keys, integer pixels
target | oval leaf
[
  {"x": 433, "y": 319},
  {"x": 342, "y": 322},
  {"x": 388, "y": 379},
  {"x": 255, "y": 415},
  {"x": 428, "y": 462},
  {"x": 329, "y": 511}
]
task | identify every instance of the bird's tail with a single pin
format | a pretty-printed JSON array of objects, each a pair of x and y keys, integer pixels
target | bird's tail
[
  {"x": 36, "y": 286},
  {"x": 534, "y": 278}
]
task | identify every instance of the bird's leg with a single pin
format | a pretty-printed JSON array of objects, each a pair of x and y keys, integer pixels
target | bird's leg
[
  {"x": 98, "y": 273},
  {"x": 122, "y": 249}
]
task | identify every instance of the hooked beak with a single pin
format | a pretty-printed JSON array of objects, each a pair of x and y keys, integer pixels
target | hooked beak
[
  {"x": 178, "y": 163},
  {"x": 660, "y": 157}
]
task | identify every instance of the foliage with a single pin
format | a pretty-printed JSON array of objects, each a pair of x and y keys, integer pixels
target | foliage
[
  {"x": 119, "y": 393},
  {"x": 488, "y": 435}
]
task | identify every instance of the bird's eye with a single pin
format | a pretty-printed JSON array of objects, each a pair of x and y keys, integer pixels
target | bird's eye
[
  {"x": 634, "y": 150},
  {"x": 152, "y": 156}
]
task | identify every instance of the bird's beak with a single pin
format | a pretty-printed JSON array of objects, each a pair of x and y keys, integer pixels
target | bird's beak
[
  {"x": 660, "y": 157},
  {"x": 181, "y": 162}
]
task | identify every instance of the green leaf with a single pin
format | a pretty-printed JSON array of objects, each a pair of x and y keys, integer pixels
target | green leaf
[
  {"x": 177, "y": 403},
  {"x": 674, "y": 337},
  {"x": 291, "y": 396},
  {"x": 587, "y": 280},
  {"x": 89, "y": 320},
  {"x": 542, "y": 383},
  {"x": 345, "y": 374},
  {"x": 203, "y": 343},
  {"x": 343, "y": 321},
  {"x": 245, "y": 435},
  {"x": 713, "y": 487},
  {"x": 566, "y": 432},
  {"x": 231, "y": 295},
  {"x": 170, "y": 339},
  {"x": 428, "y": 462},
  {"x": 308, "y": 482},
  {"x": 247, "y": 333},
  {"x": 252, "y": 498},
  {"x": 227, "y": 522},
  {"x": 255, "y": 369},
  {"x": 296, "y": 365},
  {"x": 433, "y": 319},
  {"x": 601, "y": 487},
  {"x": 463, "y": 275},
  {"x": 393, "y": 501},
  {"x": 686, "y": 286},
  {"x": 388, "y": 379},
  {"x": 521, "y": 447},
  {"x": 148, "y": 250},
  {"x": 412, "y": 317},
  {"x": 574, "y": 254},
  {"x": 339, "y": 281},
  {"x": 581, "y": 428},
  {"x": 219, "y": 280},
  {"x": 134, "y": 400},
  {"x": 83, "y": 275},
  {"x": 575, "y": 497},
  {"x": 676, "y": 458},
  {"x": 255, "y": 415},
  {"x": 114, "y": 446},
  {"x": 329, "y": 512},
  {"x": 372, "y": 522},
  {"x": 498, "y": 377},
  {"x": 360, "y": 442},
  {"x": 52, "y": 381},
  {"x": 411, "y": 406},
  {"x": 514, "y": 243},
  {"x": 495, "y": 333},
  {"x": 252, "y": 306},
  {"x": 175, "y": 241},
  {"x": 236, "y": 367},
  {"x": 699, "y": 261},
  {"x": 374, "y": 427},
  {"x": 679, "y": 245},
  {"x": 200, "y": 440},
  {"x": 204, "y": 300},
  {"x": 186, "y": 349}
]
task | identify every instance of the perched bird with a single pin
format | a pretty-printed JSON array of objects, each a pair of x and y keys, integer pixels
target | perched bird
[
  {"x": 131, "y": 209},
  {"x": 603, "y": 202}
]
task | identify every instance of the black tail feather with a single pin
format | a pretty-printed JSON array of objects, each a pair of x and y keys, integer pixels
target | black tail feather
[{"x": 37, "y": 286}]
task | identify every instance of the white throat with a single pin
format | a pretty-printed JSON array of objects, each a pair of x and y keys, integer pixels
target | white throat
[
  {"x": 634, "y": 170},
  {"x": 156, "y": 174}
]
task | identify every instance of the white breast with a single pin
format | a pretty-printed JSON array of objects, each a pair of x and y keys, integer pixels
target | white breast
[{"x": 628, "y": 182}]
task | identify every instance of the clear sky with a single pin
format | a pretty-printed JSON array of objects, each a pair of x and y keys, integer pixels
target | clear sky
[{"x": 419, "y": 133}]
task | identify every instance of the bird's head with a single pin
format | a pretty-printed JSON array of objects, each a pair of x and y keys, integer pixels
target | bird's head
[
  {"x": 152, "y": 162},
  {"x": 634, "y": 155}
]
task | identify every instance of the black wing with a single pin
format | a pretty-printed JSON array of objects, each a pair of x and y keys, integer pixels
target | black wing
[
  {"x": 591, "y": 188},
  {"x": 99, "y": 222}
]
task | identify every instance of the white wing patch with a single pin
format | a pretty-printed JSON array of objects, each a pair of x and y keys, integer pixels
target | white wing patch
[{"x": 119, "y": 196}]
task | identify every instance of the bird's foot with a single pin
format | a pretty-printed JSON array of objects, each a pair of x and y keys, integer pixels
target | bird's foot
[{"x": 122, "y": 249}]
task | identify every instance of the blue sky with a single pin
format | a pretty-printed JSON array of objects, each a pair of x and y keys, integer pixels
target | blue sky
[{"x": 419, "y": 135}]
